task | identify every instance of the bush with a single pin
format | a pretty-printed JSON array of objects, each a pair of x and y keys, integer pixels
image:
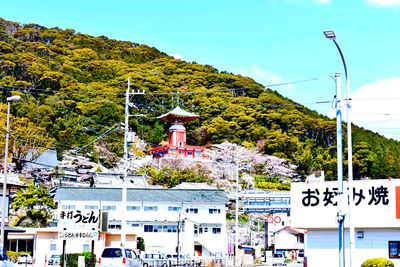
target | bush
[
  {"x": 377, "y": 262},
  {"x": 13, "y": 255},
  {"x": 72, "y": 259}
]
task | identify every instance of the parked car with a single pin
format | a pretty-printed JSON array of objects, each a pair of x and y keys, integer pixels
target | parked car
[
  {"x": 151, "y": 259},
  {"x": 184, "y": 260},
  {"x": 24, "y": 258},
  {"x": 300, "y": 258},
  {"x": 278, "y": 259},
  {"x": 4, "y": 262},
  {"x": 119, "y": 257},
  {"x": 54, "y": 260}
]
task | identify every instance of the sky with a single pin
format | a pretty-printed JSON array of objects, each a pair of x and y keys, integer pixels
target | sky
[{"x": 272, "y": 41}]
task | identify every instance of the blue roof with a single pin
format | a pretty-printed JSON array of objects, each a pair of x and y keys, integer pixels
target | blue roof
[
  {"x": 143, "y": 195},
  {"x": 46, "y": 160}
]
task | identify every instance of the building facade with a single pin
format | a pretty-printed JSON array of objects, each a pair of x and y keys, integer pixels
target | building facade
[
  {"x": 375, "y": 216},
  {"x": 153, "y": 214}
]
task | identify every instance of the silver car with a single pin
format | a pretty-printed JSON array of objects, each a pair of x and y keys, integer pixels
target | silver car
[{"x": 119, "y": 257}]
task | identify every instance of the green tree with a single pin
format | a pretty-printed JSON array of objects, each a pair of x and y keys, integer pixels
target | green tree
[
  {"x": 140, "y": 244},
  {"x": 34, "y": 205}
]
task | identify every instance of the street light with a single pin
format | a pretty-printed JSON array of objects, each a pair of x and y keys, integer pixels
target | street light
[
  {"x": 332, "y": 36},
  {"x": 10, "y": 99}
]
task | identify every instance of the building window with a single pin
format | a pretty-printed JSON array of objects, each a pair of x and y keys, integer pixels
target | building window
[
  {"x": 150, "y": 208},
  {"x": 190, "y": 153},
  {"x": 107, "y": 208},
  {"x": 394, "y": 249},
  {"x": 68, "y": 207},
  {"x": 214, "y": 211},
  {"x": 174, "y": 208},
  {"x": 91, "y": 207},
  {"x": 160, "y": 229},
  {"x": 133, "y": 208},
  {"x": 198, "y": 153},
  {"x": 216, "y": 230},
  {"x": 192, "y": 210},
  {"x": 86, "y": 247},
  {"x": 133, "y": 225},
  {"x": 116, "y": 226},
  {"x": 53, "y": 247}
]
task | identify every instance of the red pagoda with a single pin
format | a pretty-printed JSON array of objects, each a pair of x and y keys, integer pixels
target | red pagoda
[{"x": 177, "y": 146}]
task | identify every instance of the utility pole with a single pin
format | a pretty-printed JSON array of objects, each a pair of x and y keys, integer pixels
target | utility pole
[
  {"x": 178, "y": 245},
  {"x": 126, "y": 165},
  {"x": 237, "y": 216}
]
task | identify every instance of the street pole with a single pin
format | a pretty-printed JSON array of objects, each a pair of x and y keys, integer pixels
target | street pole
[
  {"x": 339, "y": 150},
  {"x": 331, "y": 36},
  {"x": 124, "y": 186},
  {"x": 350, "y": 167},
  {"x": 237, "y": 216},
  {"x": 10, "y": 99}
]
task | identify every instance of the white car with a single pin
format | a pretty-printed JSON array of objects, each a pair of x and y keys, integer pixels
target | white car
[
  {"x": 278, "y": 259},
  {"x": 119, "y": 257},
  {"x": 184, "y": 260},
  {"x": 24, "y": 258},
  {"x": 151, "y": 259}
]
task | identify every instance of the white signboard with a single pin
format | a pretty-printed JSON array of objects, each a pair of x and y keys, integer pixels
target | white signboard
[
  {"x": 78, "y": 224},
  {"x": 78, "y": 234},
  {"x": 376, "y": 203}
]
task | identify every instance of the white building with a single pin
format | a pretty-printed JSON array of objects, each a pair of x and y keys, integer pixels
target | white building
[
  {"x": 152, "y": 214},
  {"x": 289, "y": 241},
  {"x": 375, "y": 216}
]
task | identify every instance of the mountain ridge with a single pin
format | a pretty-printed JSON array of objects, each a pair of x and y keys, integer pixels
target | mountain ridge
[{"x": 73, "y": 88}]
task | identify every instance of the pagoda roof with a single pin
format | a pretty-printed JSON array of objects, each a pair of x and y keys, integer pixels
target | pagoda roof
[{"x": 178, "y": 114}]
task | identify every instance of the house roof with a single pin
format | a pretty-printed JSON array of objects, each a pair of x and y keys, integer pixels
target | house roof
[
  {"x": 142, "y": 195},
  {"x": 292, "y": 230},
  {"x": 46, "y": 160},
  {"x": 12, "y": 179},
  {"x": 186, "y": 185}
]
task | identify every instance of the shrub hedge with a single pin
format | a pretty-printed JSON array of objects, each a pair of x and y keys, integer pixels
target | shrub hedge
[{"x": 377, "y": 262}]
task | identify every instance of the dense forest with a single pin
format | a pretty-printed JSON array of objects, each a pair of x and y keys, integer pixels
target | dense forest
[{"x": 73, "y": 89}]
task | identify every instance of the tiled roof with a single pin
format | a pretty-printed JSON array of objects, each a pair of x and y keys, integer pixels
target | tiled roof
[
  {"x": 143, "y": 195},
  {"x": 12, "y": 179}
]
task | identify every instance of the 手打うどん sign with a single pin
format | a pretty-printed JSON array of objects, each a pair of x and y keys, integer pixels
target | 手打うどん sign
[{"x": 78, "y": 224}]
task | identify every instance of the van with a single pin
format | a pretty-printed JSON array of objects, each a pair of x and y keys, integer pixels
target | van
[{"x": 119, "y": 257}]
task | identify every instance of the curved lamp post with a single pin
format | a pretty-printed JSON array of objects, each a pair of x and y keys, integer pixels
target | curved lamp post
[
  {"x": 10, "y": 99},
  {"x": 332, "y": 36}
]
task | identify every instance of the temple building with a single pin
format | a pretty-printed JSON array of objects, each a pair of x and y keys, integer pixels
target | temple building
[{"x": 177, "y": 146}]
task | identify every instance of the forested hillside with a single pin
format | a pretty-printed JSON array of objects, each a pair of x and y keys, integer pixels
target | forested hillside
[{"x": 73, "y": 87}]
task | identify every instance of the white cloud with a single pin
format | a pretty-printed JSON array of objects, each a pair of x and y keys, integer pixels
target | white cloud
[
  {"x": 384, "y": 3},
  {"x": 177, "y": 56},
  {"x": 376, "y": 107},
  {"x": 264, "y": 77}
]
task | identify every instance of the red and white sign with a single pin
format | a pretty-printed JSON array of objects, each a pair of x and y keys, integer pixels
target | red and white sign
[{"x": 275, "y": 219}]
